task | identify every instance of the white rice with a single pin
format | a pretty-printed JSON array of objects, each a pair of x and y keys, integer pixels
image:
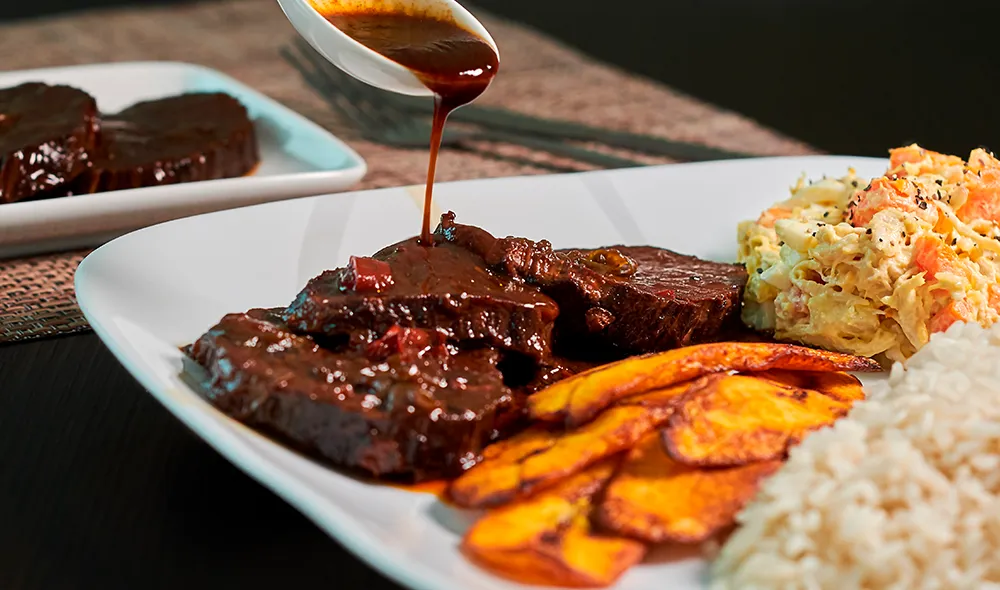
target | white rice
[{"x": 901, "y": 494}]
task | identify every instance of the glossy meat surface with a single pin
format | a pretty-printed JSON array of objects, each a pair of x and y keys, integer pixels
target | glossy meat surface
[
  {"x": 628, "y": 299},
  {"x": 185, "y": 138},
  {"x": 443, "y": 287},
  {"x": 47, "y": 137},
  {"x": 405, "y": 407}
]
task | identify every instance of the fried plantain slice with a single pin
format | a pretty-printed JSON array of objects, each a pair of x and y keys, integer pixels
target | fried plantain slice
[
  {"x": 525, "y": 443},
  {"x": 547, "y": 539},
  {"x": 497, "y": 478},
  {"x": 738, "y": 419},
  {"x": 578, "y": 399},
  {"x": 536, "y": 459},
  {"x": 657, "y": 500},
  {"x": 842, "y": 387}
]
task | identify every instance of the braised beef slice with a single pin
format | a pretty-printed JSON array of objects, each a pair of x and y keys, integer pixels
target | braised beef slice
[
  {"x": 444, "y": 287},
  {"x": 47, "y": 136},
  {"x": 185, "y": 138},
  {"x": 405, "y": 406},
  {"x": 626, "y": 299},
  {"x": 552, "y": 370}
]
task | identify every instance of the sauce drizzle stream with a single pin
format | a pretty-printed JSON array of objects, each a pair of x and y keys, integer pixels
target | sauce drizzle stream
[{"x": 453, "y": 63}]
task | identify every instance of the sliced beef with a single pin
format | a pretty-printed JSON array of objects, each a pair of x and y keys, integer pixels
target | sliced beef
[
  {"x": 525, "y": 375},
  {"x": 627, "y": 300},
  {"x": 47, "y": 136},
  {"x": 185, "y": 138},
  {"x": 444, "y": 287},
  {"x": 406, "y": 406},
  {"x": 406, "y": 364},
  {"x": 672, "y": 300},
  {"x": 553, "y": 370}
]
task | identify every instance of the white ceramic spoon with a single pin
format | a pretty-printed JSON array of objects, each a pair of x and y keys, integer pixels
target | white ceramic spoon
[{"x": 358, "y": 60}]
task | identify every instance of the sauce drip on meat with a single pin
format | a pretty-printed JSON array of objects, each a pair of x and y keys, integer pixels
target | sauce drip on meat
[{"x": 455, "y": 64}]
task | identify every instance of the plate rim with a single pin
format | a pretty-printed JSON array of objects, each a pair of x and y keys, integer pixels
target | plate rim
[{"x": 326, "y": 514}]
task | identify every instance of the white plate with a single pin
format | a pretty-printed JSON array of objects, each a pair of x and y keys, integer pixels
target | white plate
[
  {"x": 156, "y": 289},
  {"x": 298, "y": 158}
]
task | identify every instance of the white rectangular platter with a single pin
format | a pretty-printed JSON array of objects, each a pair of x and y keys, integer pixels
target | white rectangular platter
[
  {"x": 298, "y": 158},
  {"x": 159, "y": 288}
]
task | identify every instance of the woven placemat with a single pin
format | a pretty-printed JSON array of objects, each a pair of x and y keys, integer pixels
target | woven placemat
[
  {"x": 36, "y": 297},
  {"x": 242, "y": 37}
]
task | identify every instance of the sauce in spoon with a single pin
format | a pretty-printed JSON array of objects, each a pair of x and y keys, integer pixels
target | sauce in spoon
[{"x": 455, "y": 64}]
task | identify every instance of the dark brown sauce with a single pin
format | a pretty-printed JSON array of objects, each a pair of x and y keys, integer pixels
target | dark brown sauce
[{"x": 455, "y": 64}]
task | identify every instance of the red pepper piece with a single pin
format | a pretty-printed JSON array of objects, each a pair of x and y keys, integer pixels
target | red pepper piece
[
  {"x": 408, "y": 343},
  {"x": 367, "y": 274}
]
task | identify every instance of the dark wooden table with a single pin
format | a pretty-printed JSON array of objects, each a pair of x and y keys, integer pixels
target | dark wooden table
[{"x": 101, "y": 488}]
